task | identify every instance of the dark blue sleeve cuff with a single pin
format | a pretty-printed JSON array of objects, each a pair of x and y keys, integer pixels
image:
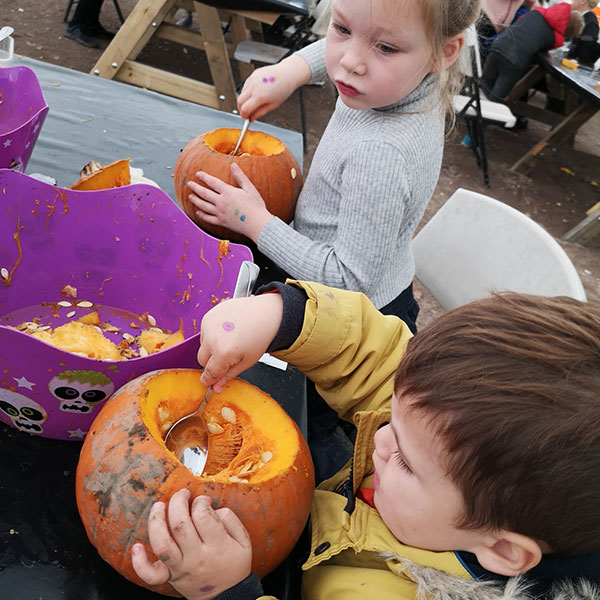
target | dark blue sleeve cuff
[
  {"x": 294, "y": 303},
  {"x": 248, "y": 589}
]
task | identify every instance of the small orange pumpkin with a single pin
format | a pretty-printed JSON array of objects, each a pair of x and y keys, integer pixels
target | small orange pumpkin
[
  {"x": 266, "y": 161},
  {"x": 258, "y": 465},
  {"x": 96, "y": 177}
]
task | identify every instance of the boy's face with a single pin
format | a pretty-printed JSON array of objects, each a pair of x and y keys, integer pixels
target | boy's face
[
  {"x": 375, "y": 55},
  {"x": 415, "y": 499}
]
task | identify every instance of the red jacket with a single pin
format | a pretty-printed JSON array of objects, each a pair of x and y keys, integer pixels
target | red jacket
[{"x": 557, "y": 16}]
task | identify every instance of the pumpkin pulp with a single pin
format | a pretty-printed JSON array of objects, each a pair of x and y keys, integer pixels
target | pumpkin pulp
[{"x": 251, "y": 439}]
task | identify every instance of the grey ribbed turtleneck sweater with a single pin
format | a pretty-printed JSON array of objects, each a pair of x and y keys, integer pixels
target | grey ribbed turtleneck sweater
[{"x": 369, "y": 182}]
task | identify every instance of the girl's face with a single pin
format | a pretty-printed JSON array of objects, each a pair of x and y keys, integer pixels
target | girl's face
[
  {"x": 413, "y": 495},
  {"x": 375, "y": 57}
]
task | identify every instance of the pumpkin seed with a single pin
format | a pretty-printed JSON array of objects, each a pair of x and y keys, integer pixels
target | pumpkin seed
[
  {"x": 214, "y": 428},
  {"x": 143, "y": 351},
  {"x": 64, "y": 303},
  {"x": 293, "y": 173},
  {"x": 246, "y": 469},
  {"x": 4, "y": 273},
  {"x": 266, "y": 456},
  {"x": 163, "y": 414},
  {"x": 44, "y": 328},
  {"x": 235, "y": 479},
  {"x": 228, "y": 414},
  {"x": 152, "y": 321},
  {"x": 85, "y": 304},
  {"x": 128, "y": 337},
  {"x": 71, "y": 314}
]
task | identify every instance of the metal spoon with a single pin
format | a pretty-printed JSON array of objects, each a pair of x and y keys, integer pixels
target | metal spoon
[
  {"x": 187, "y": 438},
  {"x": 242, "y": 134},
  {"x": 190, "y": 443}
]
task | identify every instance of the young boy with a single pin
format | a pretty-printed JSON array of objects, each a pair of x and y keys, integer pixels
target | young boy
[{"x": 476, "y": 459}]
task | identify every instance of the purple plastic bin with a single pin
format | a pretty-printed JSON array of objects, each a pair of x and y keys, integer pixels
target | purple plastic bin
[
  {"x": 23, "y": 109},
  {"x": 131, "y": 248}
]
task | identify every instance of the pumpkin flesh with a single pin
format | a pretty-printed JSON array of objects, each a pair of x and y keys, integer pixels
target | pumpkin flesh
[
  {"x": 117, "y": 174},
  {"x": 259, "y": 466}
]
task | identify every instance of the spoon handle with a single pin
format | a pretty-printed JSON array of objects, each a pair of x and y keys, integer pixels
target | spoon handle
[{"x": 242, "y": 134}]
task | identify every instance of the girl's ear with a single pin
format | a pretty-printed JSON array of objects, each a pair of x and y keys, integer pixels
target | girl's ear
[{"x": 450, "y": 52}]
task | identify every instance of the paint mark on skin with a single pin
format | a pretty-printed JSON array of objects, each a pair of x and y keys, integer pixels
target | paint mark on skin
[
  {"x": 228, "y": 326},
  {"x": 268, "y": 79},
  {"x": 242, "y": 217},
  {"x": 236, "y": 212},
  {"x": 207, "y": 588}
]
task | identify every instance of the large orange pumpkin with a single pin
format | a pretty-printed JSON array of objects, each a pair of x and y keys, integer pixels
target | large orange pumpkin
[
  {"x": 267, "y": 162},
  {"x": 258, "y": 465}
]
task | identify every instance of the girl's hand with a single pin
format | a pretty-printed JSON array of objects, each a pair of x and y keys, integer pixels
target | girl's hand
[
  {"x": 268, "y": 87},
  {"x": 202, "y": 551},
  {"x": 240, "y": 209},
  {"x": 235, "y": 334}
]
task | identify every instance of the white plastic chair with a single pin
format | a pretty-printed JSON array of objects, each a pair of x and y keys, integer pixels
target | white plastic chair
[
  {"x": 492, "y": 112},
  {"x": 475, "y": 244}
]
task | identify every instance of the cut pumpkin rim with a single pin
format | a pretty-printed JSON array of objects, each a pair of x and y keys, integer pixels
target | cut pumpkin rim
[{"x": 256, "y": 144}]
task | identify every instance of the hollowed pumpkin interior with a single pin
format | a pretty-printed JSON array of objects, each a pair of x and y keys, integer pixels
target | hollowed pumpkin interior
[
  {"x": 255, "y": 143},
  {"x": 251, "y": 438},
  {"x": 117, "y": 174}
]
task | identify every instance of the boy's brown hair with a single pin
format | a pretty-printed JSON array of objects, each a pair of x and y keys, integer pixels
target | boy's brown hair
[{"x": 511, "y": 383}]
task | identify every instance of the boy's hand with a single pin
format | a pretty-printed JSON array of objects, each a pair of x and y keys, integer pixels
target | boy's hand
[
  {"x": 202, "y": 551},
  {"x": 240, "y": 209},
  {"x": 235, "y": 334},
  {"x": 268, "y": 87}
]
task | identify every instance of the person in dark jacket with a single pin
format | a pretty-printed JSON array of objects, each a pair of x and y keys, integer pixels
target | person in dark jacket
[
  {"x": 585, "y": 48},
  {"x": 85, "y": 25},
  {"x": 513, "y": 52}
]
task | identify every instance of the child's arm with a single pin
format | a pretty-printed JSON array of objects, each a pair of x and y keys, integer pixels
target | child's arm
[
  {"x": 235, "y": 334},
  {"x": 268, "y": 87},
  {"x": 202, "y": 551},
  {"x": 338, "y": 338}
]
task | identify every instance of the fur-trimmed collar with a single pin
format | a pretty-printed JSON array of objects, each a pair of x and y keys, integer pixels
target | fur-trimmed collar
[{"x": 437, "y": 585}]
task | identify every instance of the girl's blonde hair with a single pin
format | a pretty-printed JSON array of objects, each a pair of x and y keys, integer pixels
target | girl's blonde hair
[{"x": 443, "y": 19}]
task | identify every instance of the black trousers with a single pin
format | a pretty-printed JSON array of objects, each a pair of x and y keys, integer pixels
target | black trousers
[
  {"x": 86, "y": 15},
  {"x": 499, "y": 76}
]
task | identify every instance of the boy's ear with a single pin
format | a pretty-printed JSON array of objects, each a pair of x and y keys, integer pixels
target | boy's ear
[
  {"x": 509, "y": 553},
  {"x": 450, "y": 52}
]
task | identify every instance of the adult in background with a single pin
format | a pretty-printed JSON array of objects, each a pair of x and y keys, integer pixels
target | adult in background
[
  {"x": 513, "y": 52},
  {"x": 85, "y": 25},
  {"x": 585, "y": 48}
]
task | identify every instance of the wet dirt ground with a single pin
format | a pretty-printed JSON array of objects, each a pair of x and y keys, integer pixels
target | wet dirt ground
[{"x": 563, "y": 185}]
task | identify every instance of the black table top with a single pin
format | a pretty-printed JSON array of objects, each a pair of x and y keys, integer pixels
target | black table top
[
  {"x": 583, "y": 81},
  {"x": 281, "y": 6}
]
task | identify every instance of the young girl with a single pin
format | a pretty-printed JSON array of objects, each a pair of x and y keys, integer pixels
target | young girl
[{"x": 379, "y": 159}]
